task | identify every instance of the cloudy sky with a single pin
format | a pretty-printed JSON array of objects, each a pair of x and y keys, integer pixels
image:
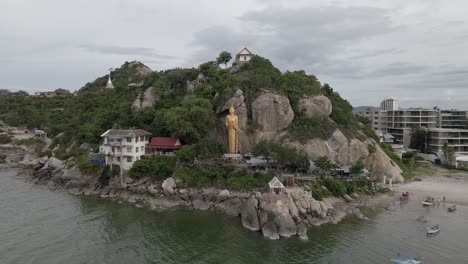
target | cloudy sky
[{"x": 366, "y": 49}]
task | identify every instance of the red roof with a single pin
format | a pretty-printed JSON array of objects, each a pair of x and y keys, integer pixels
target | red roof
[{"x": 164, "y": 143}]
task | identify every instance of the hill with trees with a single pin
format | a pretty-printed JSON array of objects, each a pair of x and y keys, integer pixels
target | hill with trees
[{"x": 297, "y": 118}]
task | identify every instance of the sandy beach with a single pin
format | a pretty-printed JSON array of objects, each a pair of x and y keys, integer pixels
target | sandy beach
[{"x": 438, "y": 182}]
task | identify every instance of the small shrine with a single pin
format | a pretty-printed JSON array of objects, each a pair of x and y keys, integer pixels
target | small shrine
[
  {"x": 109, "y": 84},
  {"x": 276, "y": 186}
]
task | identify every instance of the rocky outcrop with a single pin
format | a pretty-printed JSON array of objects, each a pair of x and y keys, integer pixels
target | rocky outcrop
[
  {"x": 148, "y": 99},
  {"x": 315, "y": 106},
  {"x": 169, "y": 186},
  {"x": 346, "y": 152},
  {"x": 249, "y": 215},
  {"x": 271, "y": 112},
  {"x": 379, "y": 164}
]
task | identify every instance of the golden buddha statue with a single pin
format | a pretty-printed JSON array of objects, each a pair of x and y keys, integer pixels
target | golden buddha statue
[{"x": 232, "y": 125}]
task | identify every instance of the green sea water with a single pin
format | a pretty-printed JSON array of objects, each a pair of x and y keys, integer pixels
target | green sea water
[{"x": 45, "y": 227}]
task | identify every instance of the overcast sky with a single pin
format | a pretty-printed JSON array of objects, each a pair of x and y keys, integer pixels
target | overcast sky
[{"x": 413, "y": 50}]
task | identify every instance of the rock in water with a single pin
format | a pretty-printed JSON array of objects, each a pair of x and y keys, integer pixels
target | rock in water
[
  {"x": 423, "y": 219},
  {"x": 270, "y": 231},
  {"x": 249, "y": 215},
  {"x": 302, "y": 231},
  {"x": 168, "y": 186},
  {"x": 284, "y": 221}
]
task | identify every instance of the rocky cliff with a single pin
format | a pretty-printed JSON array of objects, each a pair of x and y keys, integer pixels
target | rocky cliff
[{"x": 272, "y": 114}]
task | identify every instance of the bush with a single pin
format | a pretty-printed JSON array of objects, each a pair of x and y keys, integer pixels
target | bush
[
  {"x": 26, "y": 142},
  {"x": 305, "y": 128},
  {"x": 357, "y": 166},
  {"x": 318, "y": 193},
  {"x": 222, "y": 177},
  {"x": 208, "y": 149},
  {"x": 372, "y": 149},
  {"x": 336, "y": 187},
  {"x": 87, "y": 167},
  {"x": 4, "y": 139},
  {"x": 186, "y": 153},
  {"x": 115, "y": 170},
  {"x": 155, "y": 167}
]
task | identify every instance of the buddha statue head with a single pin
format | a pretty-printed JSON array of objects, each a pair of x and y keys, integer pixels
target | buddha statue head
[{"x": 231, "y": 110}]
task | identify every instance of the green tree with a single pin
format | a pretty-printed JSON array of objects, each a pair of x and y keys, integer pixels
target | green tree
[
  {"x": 283, "y": 155},
  {"x": 324, "y": 163},
  {"x": 419, "y": 139},
  {"x": 224, "y": 57},
  {"x": 357, "y": 166},
  {"x": 449, "y": 154},
  {"x": 191, "y": 120},
  {"x": 186, "y": 154}
]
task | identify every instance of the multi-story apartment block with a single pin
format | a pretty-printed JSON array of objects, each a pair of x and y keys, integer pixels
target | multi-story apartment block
[
  {"x": 399, "y": 123},
  {"x": 373, "y": 114},
  {"x": 455, "y": 138},
  {"x": 456, "y": 119},
  {"x": 124, "y": 147}
]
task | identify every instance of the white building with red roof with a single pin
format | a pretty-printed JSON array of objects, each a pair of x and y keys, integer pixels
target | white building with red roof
[{"x": 163, "y": 146}]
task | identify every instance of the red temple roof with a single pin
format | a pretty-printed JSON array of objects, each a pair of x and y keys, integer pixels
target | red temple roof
[{"x": 164, "y": 143}]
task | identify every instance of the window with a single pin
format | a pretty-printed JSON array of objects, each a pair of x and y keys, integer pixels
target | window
[
  {"x": 245, "y": 58},
  {"x": 113, "y": 149},
  {"x": 142, "y": 149},
  {"x": 119, "y": 140},
  {"x": 129, "y": 159},
  {"x": 129, "y": 149},
  {"x": 142, "y": 138},
  {"x": 129, "y": 139},
  {"x": 111, "y": 140},
  {"x": 137, "y": 149},
  {"x": 136, "y": 139},
  {"x": 118, "y": 159}
]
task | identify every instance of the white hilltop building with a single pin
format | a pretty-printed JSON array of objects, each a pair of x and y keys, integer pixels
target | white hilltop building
[
  {"x": 109, "y": 84},
  {"x": 243, "y": 56}
]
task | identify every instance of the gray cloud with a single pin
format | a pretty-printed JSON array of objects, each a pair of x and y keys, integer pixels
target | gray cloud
[
  {"x": 119, "y": 50},
  {"x": 365, "y": 49}
]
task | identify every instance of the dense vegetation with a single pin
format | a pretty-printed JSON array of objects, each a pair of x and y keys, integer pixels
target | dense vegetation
[{"x": 74, "y": 119}]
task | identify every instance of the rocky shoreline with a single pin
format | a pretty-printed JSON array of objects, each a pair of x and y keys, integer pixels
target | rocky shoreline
[{"x": 276, "y": 216}]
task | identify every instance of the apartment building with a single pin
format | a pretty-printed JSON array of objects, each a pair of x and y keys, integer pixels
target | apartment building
[
  {"x": 455, "y": 138},
  {"x": 399, "y": 123},
  {"x": 453, "y": 118},
  {"x": 124, "y": 147},
  {"x": 373, "y": 114}
]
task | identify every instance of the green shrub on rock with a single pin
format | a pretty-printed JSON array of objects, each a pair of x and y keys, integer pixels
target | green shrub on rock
[{"x": 155, "y": 167}]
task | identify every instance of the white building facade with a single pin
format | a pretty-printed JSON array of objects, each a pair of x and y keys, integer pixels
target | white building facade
[
  {"x": 124, "y": 147},
  {"x": 243, "y": 56}
]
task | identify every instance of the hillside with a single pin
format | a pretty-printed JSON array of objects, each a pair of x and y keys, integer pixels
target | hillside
[{"x": 292, "y": 107}]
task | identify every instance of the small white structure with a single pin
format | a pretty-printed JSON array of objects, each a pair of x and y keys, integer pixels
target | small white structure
[
  {"x": 124, "y": 147},
  {"x": 276, "y": 186},
  {"x": 109, "y": 84},
  {"x": 243, "y": 56}
]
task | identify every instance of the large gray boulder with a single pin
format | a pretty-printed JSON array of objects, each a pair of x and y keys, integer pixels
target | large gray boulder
[
  {"x": 346, "y": 152},
  {"x": 249, "y": 215},
  {"x": 276, "y": 216},
  {"x": 235, "y": 101},
  {"x": 168, "y": 186},
  {"x": 55, "y": 163},
  {"x": 272, "y": 112},
  {"x": 315, "y": 106},
  {"x": 148, "y": 99},
  {"x": 230, "y": 207}
]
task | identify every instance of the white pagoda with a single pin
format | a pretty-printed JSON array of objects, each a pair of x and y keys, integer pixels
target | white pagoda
[{"x": 109, "y": 84}]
